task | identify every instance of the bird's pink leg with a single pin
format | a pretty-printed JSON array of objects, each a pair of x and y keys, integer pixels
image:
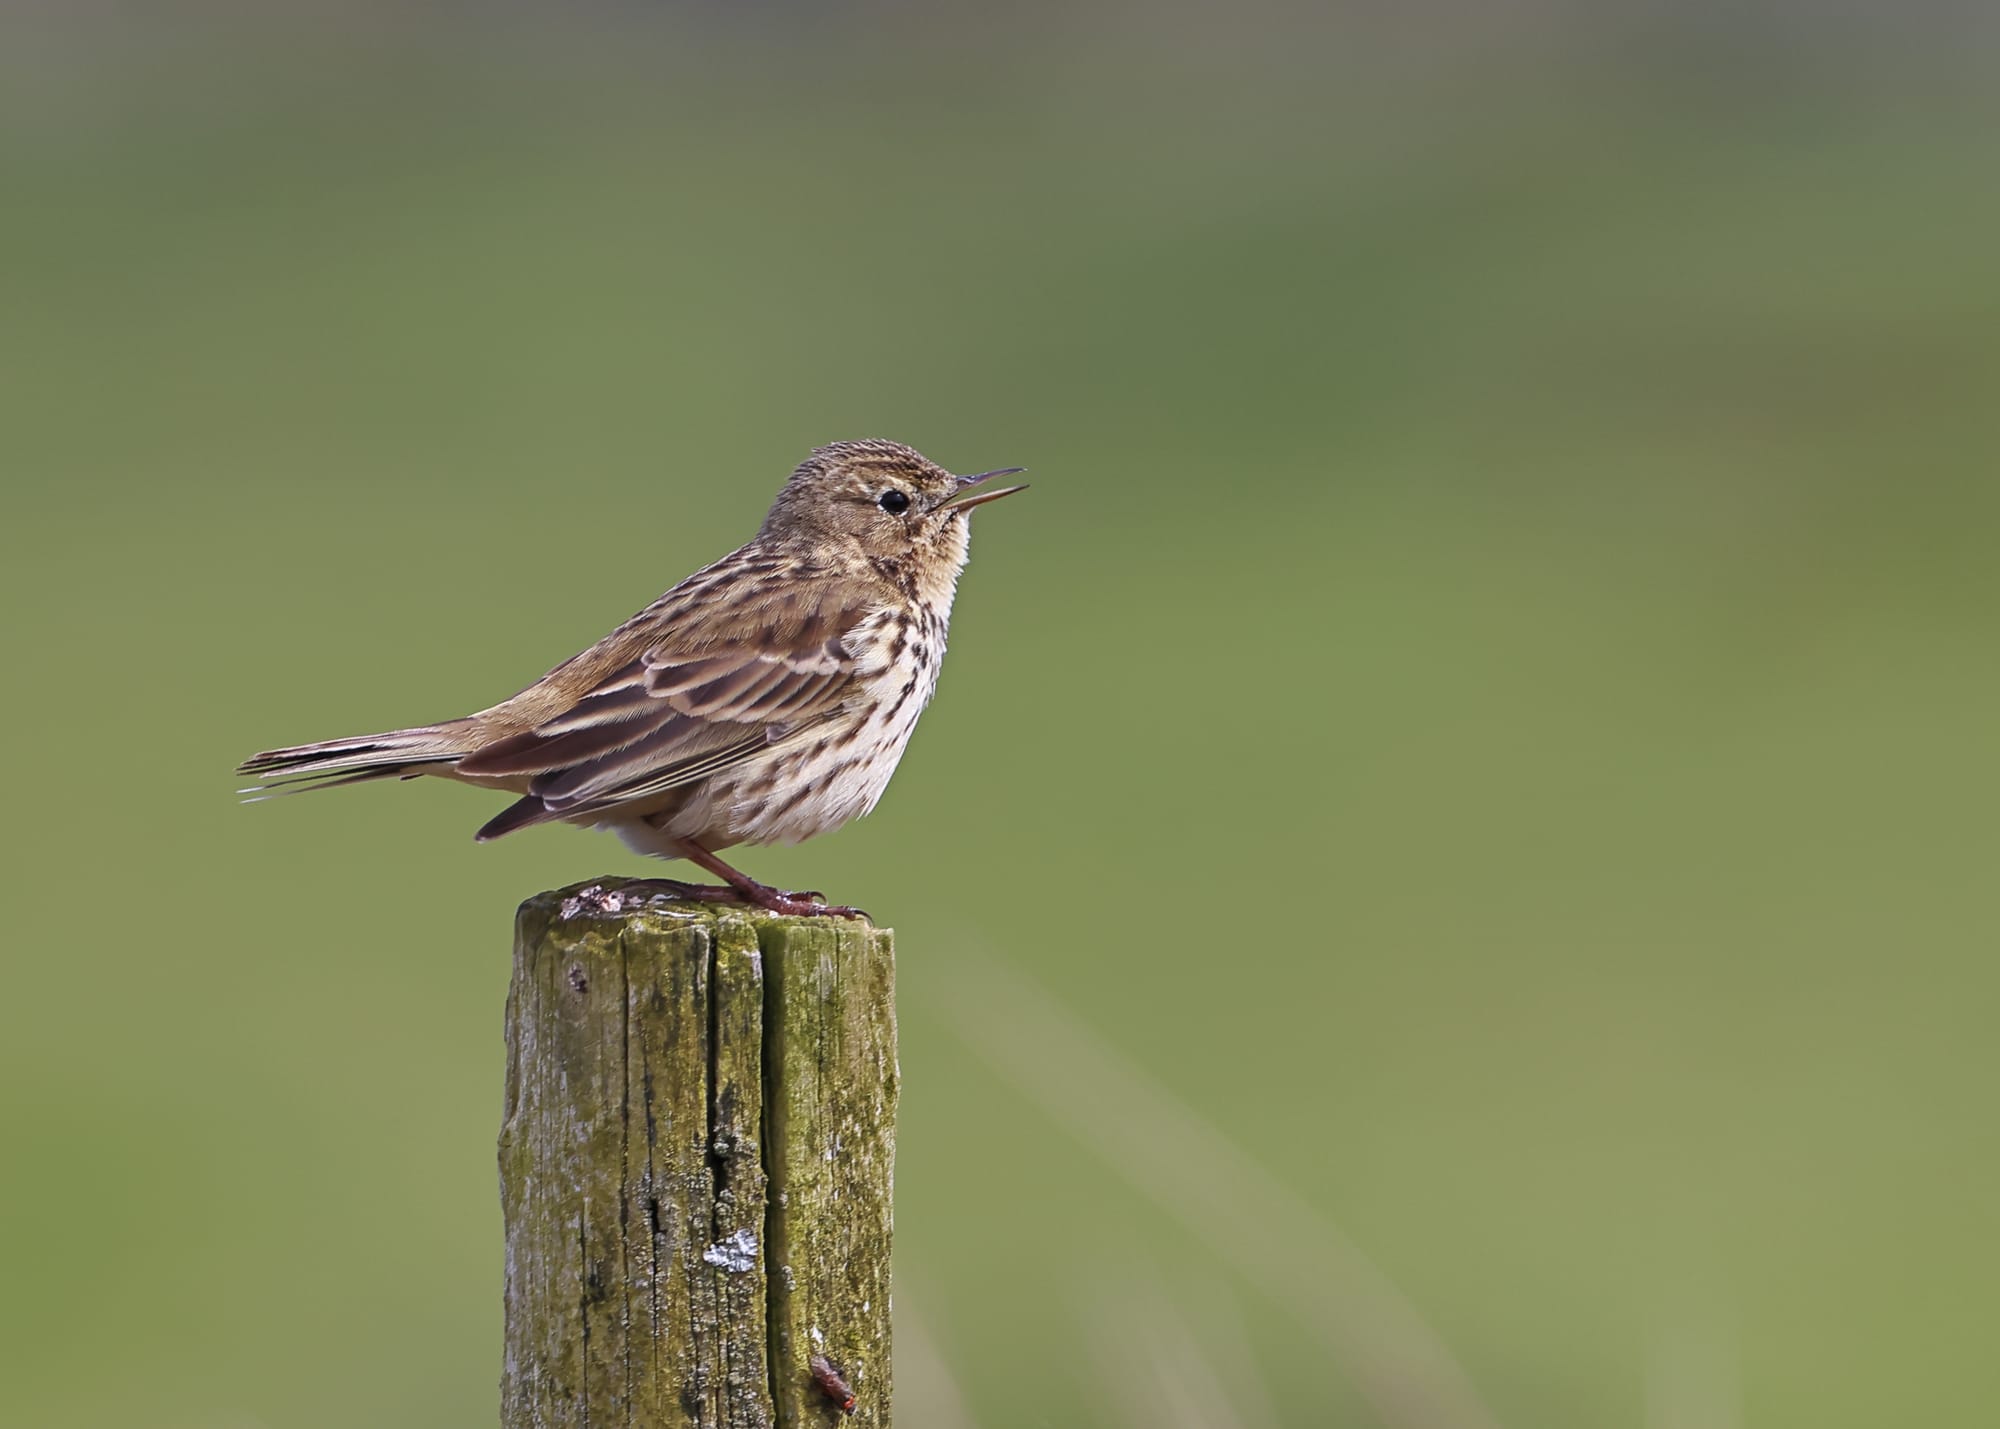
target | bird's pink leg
[{"x": 749, "y": 890}]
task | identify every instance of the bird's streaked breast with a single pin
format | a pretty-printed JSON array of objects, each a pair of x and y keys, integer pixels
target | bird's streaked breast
[{"x": 817, "y": 784}]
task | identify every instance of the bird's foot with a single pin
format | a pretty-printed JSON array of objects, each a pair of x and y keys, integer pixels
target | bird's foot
[
  {"x": 800, "y": 905},
  {"x": 809, "y": 904},
  {"x": 806, "y": 904}
]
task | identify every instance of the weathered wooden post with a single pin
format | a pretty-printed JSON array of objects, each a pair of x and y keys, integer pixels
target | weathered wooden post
[{"x": 695, "y": 1164}]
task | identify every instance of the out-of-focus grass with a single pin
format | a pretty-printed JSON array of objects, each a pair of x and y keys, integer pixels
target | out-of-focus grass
[{"x": 1491, "y": 698}]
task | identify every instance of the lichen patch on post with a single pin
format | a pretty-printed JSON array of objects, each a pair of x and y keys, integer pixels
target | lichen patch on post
[{"x": 738, "y": 1253}]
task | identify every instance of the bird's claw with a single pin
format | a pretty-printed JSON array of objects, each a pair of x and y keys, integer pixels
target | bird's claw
[{"x": 807, "y": 905}]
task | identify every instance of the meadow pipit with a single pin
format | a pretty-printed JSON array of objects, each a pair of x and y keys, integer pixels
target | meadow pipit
[{"x": 764, "y": 699}]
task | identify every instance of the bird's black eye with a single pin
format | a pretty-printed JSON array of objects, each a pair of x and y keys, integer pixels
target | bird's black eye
[{"x": 894, "y": 502}]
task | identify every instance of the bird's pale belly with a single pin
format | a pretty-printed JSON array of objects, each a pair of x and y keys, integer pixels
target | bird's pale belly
[
  {"x": 830, "y": 776},
  {"x": 817, "y": 787}
]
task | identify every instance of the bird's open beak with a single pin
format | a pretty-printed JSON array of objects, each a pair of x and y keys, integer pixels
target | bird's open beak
[{"x": 972, "y": 490}]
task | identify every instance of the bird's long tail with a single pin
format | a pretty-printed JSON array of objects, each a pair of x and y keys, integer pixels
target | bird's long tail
[{"x": 396, "y": 754}]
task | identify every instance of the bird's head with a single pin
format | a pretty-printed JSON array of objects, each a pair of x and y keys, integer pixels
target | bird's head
[{"x": 883, "y": 501}]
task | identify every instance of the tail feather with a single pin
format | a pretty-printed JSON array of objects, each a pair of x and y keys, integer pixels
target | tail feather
[
  {"x": 521, "y": 814},
  {"x": 399, "y": 753}
]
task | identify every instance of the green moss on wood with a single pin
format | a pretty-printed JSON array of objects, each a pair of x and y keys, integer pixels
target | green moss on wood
[
  {"x": 830, "y": 1123},
  {"x": 696, "y": 1164}
]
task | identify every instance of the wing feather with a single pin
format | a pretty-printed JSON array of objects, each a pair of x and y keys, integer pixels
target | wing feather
[{"x": 720, "y": 682}]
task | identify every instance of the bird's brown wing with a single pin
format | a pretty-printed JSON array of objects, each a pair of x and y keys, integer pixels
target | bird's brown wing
[{"x": 715, "y": 687}]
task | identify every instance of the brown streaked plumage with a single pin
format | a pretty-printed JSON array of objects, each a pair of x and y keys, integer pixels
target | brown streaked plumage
[{"x": 764, "y": 699}]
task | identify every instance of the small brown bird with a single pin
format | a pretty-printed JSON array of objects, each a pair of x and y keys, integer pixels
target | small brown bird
[{"x": 764, "y": 699}]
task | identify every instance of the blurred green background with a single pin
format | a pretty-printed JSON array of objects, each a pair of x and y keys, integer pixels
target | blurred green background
[{"x": 1491, "y": 702}]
